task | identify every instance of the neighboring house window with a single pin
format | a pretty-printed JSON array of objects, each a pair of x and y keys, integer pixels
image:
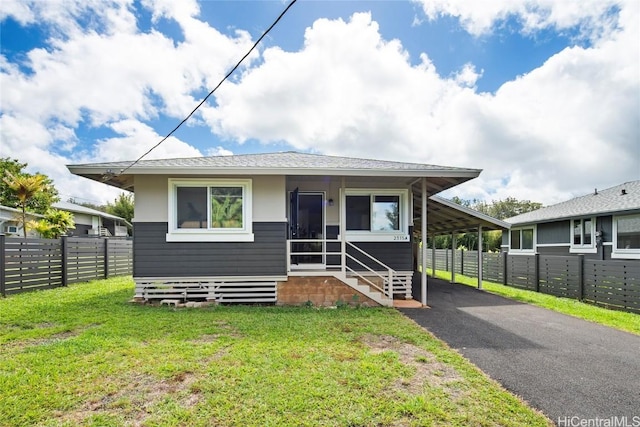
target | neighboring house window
[
  {"x": 626, "y": 236},
  {"x": 377, "y": 215},
  {"x": 210, "y": 210},
  {"x": 582, "y": 235},
  {"x": 521, "y": 239}
]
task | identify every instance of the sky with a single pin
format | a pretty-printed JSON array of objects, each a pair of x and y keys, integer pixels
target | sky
[{"x": 543, "y": 95}]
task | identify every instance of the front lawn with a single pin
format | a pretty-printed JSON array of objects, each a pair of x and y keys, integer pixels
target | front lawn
[{"x": 83, "y": 355}]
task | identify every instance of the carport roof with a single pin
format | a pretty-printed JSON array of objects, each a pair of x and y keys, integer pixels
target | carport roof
[{"x": 446, "y": 217}]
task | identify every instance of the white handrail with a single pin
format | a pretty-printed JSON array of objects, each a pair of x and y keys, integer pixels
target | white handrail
[
  {"x": 390, "y": 271},
  {"x": 387, "y": 286}
]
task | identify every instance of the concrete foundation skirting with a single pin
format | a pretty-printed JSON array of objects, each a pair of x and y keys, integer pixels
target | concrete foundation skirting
[{"x": 323, "y": 291}]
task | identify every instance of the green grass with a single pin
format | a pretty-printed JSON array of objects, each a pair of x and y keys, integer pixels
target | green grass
[
  {"x": 621, "y": 320},
  {"x": 83, "y": 355}
]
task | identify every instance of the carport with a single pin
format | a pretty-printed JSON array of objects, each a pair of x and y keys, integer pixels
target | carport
[{"x": 436, "y": 216}]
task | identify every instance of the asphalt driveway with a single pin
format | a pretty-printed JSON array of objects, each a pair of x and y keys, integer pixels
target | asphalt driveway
[{"x": 568, "y": 368}]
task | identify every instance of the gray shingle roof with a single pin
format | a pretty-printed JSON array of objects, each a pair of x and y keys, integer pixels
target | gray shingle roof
[
  {"x": 610, "y": 200},
  {"x": 72, "y": 207},
  {"x": 283, "y": 160}
]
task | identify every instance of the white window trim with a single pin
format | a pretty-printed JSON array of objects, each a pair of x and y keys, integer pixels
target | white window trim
[
  {"x": 244, "y": 234},
  {"x": 401, "y": 235},
  {"x": 584, "y": 249},
  {"x": 622, "y": 253},
  {"x": 524, "y": 251}
]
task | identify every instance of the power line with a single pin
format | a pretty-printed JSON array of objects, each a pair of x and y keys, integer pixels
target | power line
[{"x": 215, "y": 88}]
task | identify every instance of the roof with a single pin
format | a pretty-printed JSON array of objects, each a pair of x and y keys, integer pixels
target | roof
[
  {"x": 19, "y": 211},
  {"x": 72, "y": 207},
  {"x": 446, "y": 217},
  {"x": 621, "y": 198},
  {"x": 120, "y": 174}
]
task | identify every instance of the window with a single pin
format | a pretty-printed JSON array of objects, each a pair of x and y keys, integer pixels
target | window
[
  {"x": 210, "y": 210},
  {"x": 377, "y": 214},
  {"x": 582, "y": 235},
  {"x": 521, "y": 239},
  {"x": 582, "y": 232},
  {"x": 626, "y": 236}
]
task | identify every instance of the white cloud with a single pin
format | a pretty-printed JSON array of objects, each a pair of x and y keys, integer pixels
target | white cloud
[
  {"x": 137, "y": 138},
  {"x": 218, "y": 151},
  {"x": 99, "y": 70},
  {"x": 562, "y": 129},
  {"x": 548, "y": 134},
  {"x": 480, "y": 17}
]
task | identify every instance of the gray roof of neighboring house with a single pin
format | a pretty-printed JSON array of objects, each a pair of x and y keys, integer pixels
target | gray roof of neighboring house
[
  {"x": 14, "y": 211},
  {"x": 72, "y": 207},
  {"x": 611, "y": 200}
]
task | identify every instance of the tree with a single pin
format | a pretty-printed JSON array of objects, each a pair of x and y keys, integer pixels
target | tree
[
  {"x": 39, "y": 202},
  {"x": 24, "y": 188},
  {"x": 499, "y": 209},
  {"x": 54, "y": 224},
  {"x": 506, "y": 208},
  {"x": 122, "y": 206}
]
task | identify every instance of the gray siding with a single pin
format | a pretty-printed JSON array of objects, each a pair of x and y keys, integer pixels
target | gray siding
[
  {"x": 505, "y": 238},
  {"x": 155, "y": 257},
  {"x": 81, "y": 230},
  {"x": 397, "y": 255},
  {"x": 554, "y": 232}
]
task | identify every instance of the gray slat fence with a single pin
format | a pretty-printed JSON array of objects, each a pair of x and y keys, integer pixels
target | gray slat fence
[
  {"x": 32, "y": 264},
  {"x": 612, "y": 283}
]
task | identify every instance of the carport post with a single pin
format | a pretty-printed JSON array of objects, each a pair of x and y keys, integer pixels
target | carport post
[
  {"x": 423, "y": 253},
  {"x": 479, "y": 257},
  {"x": 453, "y": 257}
]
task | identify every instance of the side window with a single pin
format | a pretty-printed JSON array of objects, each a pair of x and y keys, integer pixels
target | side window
[{"x": 521, "y": 240}]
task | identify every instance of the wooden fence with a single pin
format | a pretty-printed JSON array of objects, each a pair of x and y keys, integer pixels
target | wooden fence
[
  {"x": 612, "y": 283},
  {"x": 32, "y": 264}
]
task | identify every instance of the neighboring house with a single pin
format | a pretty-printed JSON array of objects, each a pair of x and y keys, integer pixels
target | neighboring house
[
  {"x": 11, "y": 222},
  {"x": 602, "y": 225},
  {"x": 285, "y": 227},
  {"x": 91, "y": 222}
]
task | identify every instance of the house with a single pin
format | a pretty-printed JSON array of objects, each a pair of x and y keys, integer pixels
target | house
[
  {"x": 91, "y": 222},
  {"x": 11, "y": 222},
  {"x": 602, "y": 225},
  {"x": 279, "y": 227}
]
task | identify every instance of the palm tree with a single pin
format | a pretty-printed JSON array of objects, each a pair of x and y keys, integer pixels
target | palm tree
[{"x": 25, "y": 188}]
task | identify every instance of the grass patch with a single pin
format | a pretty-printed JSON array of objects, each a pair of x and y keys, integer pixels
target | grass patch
[
  {"x": 82, "y": 355},
  {"x": 621, "y": 320}
]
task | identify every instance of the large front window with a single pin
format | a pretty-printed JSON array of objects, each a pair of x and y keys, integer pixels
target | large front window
[
  {"x": 375, "y": 214},
  {"x": 209, "y": 210},
  {"x": 626, "y": 236}
]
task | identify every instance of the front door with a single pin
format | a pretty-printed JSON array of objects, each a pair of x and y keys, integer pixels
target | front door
[{"x": 308, "y": 212}]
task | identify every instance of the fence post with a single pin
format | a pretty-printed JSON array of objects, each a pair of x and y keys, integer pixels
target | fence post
[
  {"x": 64, "y": 248},
  {"x": 3, "y": 260},
  {"x": 105, "y": 241},
  {"x": 536, "y": 272},
  {"x": 504, "y": 267},
  {"x": 580, "y": 277},
  {"x": 462, "y": 262}
]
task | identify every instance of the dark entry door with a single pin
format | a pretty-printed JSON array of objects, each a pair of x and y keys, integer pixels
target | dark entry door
[{"x": 307, "y": 223}]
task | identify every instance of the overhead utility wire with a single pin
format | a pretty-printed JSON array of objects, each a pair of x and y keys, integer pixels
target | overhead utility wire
[{"x": 215, "y": 88}]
